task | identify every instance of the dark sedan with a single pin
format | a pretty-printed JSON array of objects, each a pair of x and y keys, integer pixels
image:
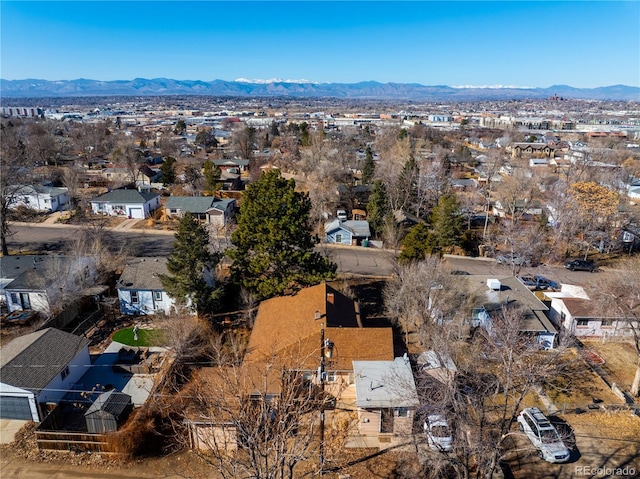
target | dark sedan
[{"x": 581, "y": 265}]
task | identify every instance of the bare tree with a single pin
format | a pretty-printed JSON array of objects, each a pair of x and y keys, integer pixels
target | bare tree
[
  {"x": 257, "y": 419},
  {"x": 15, "y": 171},
  {"x": 484, "y": 374},
  {"x": 423, "y": 294},
  {"x": 620, "y": 292}
]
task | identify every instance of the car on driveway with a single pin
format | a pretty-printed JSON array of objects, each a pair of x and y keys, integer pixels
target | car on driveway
[
  {"x": 537, "y": 282},
  {"x": 511, "y": 259},
  {"x": 581, "y": 265},
  {"x": 438, "y": 433},
  {"x": 543, "y": 435}
]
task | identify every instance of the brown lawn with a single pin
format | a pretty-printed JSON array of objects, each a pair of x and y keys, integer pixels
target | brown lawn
[{"x": 620, "y": 360}]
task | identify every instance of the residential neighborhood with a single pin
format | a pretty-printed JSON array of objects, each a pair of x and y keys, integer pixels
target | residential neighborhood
[{"x": 351, "y": 287}]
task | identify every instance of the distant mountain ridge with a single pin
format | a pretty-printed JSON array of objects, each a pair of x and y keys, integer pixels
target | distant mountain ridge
[{"x": 31, "y": 88}]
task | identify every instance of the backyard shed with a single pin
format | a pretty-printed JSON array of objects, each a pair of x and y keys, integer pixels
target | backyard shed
[{"x": 108, "y": 412}]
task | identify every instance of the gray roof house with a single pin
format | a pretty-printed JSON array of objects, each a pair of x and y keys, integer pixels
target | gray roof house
[
  {"x": 235, "y": 165},
  {"x": 40, "y": 198},
  {"x": 510, "y": 292},
  {"x": 207, "y": 209},
  {"x": 140, "y": 291},
  {"x": 37, "y": 282},
  {"x": 37, "y": 368},
  {"x": 386, "y": 399},
  {"x": 349, "y": 232},
  {"x": 127, "y": 203}
]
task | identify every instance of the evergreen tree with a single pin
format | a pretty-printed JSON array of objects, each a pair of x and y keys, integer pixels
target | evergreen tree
[
  {"x": 206, "y": 138},
  {"x": 418, "y": 244},
  {"x": 407, "y": 187},
  {"x": 212, "y": 177},
  {"x": 273, "y": 130},
  {"x": 181, "y": 128},
  {"x": 305, "y": 137},
  {"x": 191, "y": 268},
  {"x": 368, "y": 168},
  {"x": 273, "y": 245},
  {"x": 378, "y": 208},
  {"x": 447, "y": 222},
  {"x": 168, "y": 171}
]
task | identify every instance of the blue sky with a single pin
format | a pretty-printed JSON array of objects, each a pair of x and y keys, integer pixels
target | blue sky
[{"x": 537, "y": 44}]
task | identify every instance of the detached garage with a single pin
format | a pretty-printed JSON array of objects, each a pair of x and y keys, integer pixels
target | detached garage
[{"x": 39, "y": 368}]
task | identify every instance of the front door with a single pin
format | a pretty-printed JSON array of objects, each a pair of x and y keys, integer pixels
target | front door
[
  {"x": 24, "y": 300},
  {"x": 386, "y": 420}
]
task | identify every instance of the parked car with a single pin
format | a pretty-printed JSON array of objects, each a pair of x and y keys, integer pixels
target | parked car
[
  {"x": 581, "y": 265},
  {"x": 511, "y": 258},
  {"x": 342, "y": 215},
  {"x": 438, "y": 433},
  {"x": 543, "y": 435},
  {"x": 537, "y": 282}
]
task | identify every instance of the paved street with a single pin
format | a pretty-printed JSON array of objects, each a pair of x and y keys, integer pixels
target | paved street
[
  {"x": 59, "y": 238},
  {"x": 351, "y": 260}
]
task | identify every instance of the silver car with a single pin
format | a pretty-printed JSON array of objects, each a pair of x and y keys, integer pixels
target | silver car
[{"x": 543, "y": 435}]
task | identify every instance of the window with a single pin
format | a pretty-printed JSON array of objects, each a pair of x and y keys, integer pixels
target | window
[
  {"x": 607, "y": 323},
  {"x": 14, "y": 298},
  {"x": 583, "y": 323},
  {"x": 157, "y": 295},
  {"x": 402, "y": 412},
  {"x": 134, "y": 297},
  {"x": 331, "y": 376},
  {"x": 64, "y": 373},
  {"x": 338, "y": 238}
]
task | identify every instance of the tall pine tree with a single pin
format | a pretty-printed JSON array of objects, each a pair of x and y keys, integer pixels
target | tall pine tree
[
  {"x": 191, "y": 267},
  {"x": 378, "y": 208},
  {"x": 447, "y": 222},
  {"x": 273, "y": 245},
  {"x": 369, "y": 167}
]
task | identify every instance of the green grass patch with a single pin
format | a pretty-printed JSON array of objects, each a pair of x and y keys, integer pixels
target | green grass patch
[{"x": 146, "y": 337}]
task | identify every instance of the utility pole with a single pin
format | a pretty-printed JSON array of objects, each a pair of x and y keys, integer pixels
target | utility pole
[{"x": 321, "y": 377}]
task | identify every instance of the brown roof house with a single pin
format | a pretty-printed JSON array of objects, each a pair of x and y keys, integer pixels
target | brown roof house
[
  {"x": 303, "y": 347},
  {"x": 579, "y": 316}
]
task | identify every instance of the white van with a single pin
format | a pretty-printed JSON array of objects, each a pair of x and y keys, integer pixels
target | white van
[{"x": 342, "y": 215}]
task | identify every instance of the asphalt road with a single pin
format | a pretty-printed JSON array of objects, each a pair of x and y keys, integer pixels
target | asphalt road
[
  {"x": 485, "y": 266},
  {"x": 60, "y": 239},
  {"x": 351, "y": 260}
]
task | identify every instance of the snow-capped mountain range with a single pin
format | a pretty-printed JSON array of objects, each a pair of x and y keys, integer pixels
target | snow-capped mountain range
[{"x": 303, "y": 88}]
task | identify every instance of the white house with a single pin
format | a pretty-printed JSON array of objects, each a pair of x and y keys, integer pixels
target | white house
[
  {"x": 140, "y": 291},
  {"x": 40, "y": 198},
  {"x": 574, "y": 311},
  {"x": 128, "y": 203},
  {"x": 38, "y": 369},
  {"x": 38, "y": 282}
]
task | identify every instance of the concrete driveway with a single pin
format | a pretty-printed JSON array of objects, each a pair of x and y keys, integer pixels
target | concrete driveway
[{"x": 9, "y": 428}]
